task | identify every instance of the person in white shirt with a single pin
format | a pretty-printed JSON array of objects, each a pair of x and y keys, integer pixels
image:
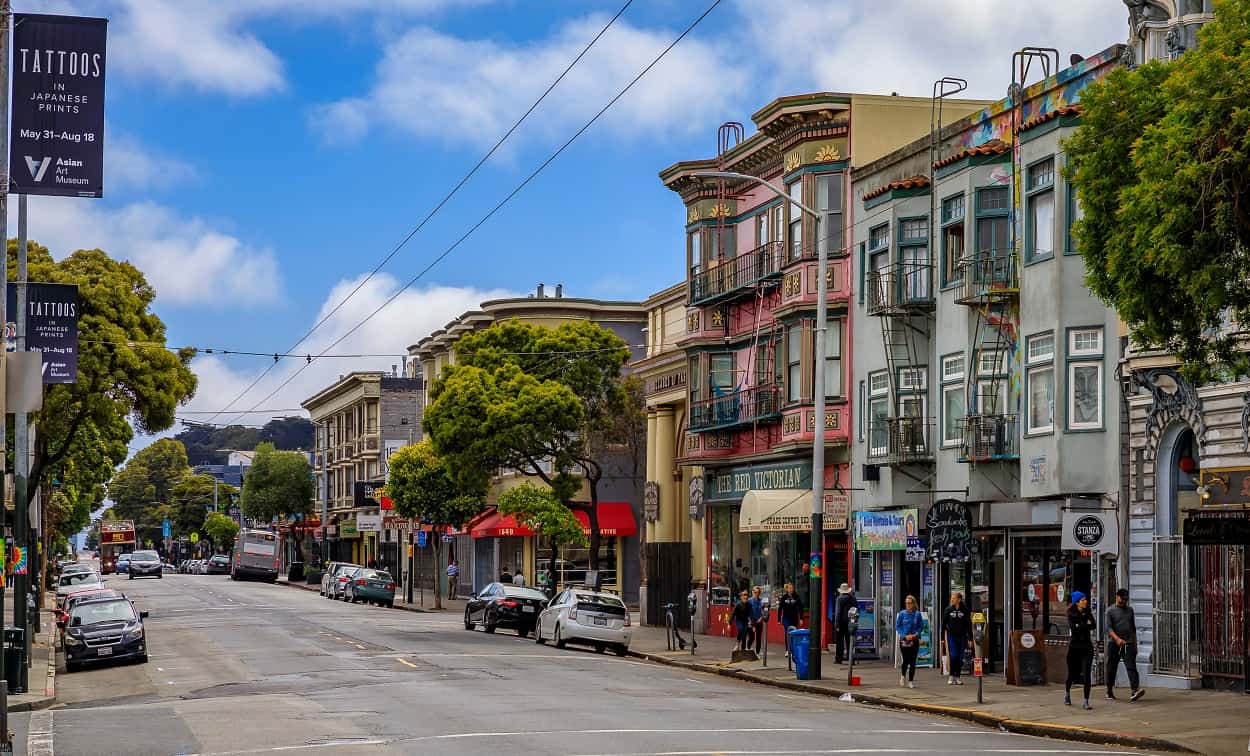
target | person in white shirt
[{"x": 518, "y": 578}]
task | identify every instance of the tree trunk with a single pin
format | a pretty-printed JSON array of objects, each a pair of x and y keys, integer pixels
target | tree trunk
[
  {"x": 550, "y": 577},
  {"x": 593, "y": 517},
  {"x": 437, "y": 538}
]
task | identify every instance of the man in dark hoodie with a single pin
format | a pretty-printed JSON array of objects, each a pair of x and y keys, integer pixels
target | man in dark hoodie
[
  {"x": 957, "y": 631},
  {"x": 842, "y": 621}
]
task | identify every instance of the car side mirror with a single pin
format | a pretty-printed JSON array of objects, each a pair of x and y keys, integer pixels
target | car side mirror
[
  {"x": 75, "y": 622},
  {"x": 143, "y": 615}
]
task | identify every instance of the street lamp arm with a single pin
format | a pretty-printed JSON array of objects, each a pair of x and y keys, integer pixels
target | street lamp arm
[{"x": 756, "y": 179}]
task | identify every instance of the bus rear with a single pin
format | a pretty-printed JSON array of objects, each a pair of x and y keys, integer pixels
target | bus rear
[
  {"x": 255, "y": 556},
  {"x": 117, "y": 537}
]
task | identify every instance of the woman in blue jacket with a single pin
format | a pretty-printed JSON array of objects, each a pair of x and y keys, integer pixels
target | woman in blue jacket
[{"x": 908, "y": 625}]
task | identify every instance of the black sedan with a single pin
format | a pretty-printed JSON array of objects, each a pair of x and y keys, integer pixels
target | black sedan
[
  {"x": 219, "y": 564},
  {"x": 503, "y": 605},
  {"x": 106, "y": 630}
]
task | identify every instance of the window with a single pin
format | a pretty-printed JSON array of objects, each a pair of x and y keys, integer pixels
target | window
[
  {"x": 993, "y": 228},
  {"x": 863, "y": 402},
  {"x": 879, "y": 237},
  {"x": 696, "y": 380},
  {"x": 913, "y": 254},
  {"x": 1040, "y": 196},
  {"x": 878, "y": 383},
  {"x": 833, "y": 359},
  {"x": 761, "y": 229},
  {"x": 795, "y": 189},
  {"x": 992, "y": 397},
  {"x": 1040, "y": 393},
  {"x": 878, "y": 262},
  {"x": 829, "y": 205},
  {"x": 878, "y": 431},
  {"x": 991, "y": 362},
  {"x": 766, "y": 369},
  {"x": 952, "y": 238},
  {"x": 696, "y": 252},
  {"x": 953, "y": 367},
  {"x": 952, "y": 414},
  {"x": 1075, "y": 213},
  {"x": 912, "y": 379},
  {"x": 794, "y": 358},
  {"x": 1085, "y": 342},
  {"x": 724, "y": 246},
  {"x": 721, "y": 375},
  {"x": 1085, "y": 352}
]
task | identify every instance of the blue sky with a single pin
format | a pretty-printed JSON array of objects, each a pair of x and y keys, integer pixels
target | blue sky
[{"x": 264, "y": 155}]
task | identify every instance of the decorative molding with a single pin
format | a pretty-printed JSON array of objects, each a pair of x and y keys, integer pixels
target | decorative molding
[
  {"x": 793, "y": 161},
  {"x": 1245, "y": 421},
  {"x": 692, "y": 321},
  {"x": 1172, "y": 399},
  {"x": 651, "y": 501},
  {"x": 828, "y": 154},
  {"x": 692, "y": 215},
  {"x": 719, "y": 210}
]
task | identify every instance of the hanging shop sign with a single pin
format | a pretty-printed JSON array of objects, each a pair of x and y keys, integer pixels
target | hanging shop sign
[
  {"x": 369, "y": 523},
  {"x": 730, "y": 484},
  {"x": 885, "y": 531},
  {"x": 347, "y": 529},
  {"x": 367, "y": 494},
  {"x": 1217, "y": 528},
  {"x": 651, "y": 501},
  {"x": 1224, "y": 485},
  {"x": 51, "y": 328},
  {"x": 949, "y": 527},
  {"x": 837, "y": 511},
  {"x": 1090, "y": 530},
  {"x": 58, "y": 105},
  {"x": 696, "y": 498}
]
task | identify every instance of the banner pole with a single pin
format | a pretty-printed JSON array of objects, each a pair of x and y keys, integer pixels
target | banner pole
[
  {"x": 21, "y": 465},
  {"x": 5, "y": 17}
]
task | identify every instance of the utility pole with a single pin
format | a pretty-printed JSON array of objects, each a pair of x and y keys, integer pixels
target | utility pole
[
  {"x": 21, "y": 463},
  {"x": 5, "y": 19}
]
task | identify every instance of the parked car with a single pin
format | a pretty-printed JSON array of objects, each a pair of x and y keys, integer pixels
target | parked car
[
  {"x": 78, "y": 581},
  {"x": 72, "y": 600},
  {"x": 502, "y": 605},
  {"x": 75, "y": 567},
  {"x": 168, "y": 567},
  {"x": 370, "y": 586},
  {"x": 218, "y": 564},
  {"x": 338, "y": 581},
  {"x": 104, "y": 630},
  {"x": 585, "y": 617},
  {"x": 197, "y": 566},
  {"x": 144, "y": 564},
  {"x": 123, "y": 563},
  {"x": 327, "y": 575}
]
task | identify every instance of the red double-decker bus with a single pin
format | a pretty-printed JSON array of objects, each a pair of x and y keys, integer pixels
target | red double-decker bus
[{"x": 116, "y": 537}]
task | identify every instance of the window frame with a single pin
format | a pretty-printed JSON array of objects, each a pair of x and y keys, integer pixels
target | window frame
[
  {"x": 958, "y": 389},
  {"x": 981, "y": 213},
  {"x": 883, "y": 434},
  {"x": 1074, "y": 332},
  {"x": 794, "y": 246},
  {"x": 794, "y": 362},
  {"x": 829, "y": 214},
  {"x": 1033, "y": 194},
  {"x": 1035, "y": 366},
  {"x": 694, "y": 252},
  {"x": 1073, "y": 366},
  {"x": 1084, "y": 358},
  {"x": 954, "y": 358},
  {"x": 863, "y": 405},
  {"x": 950, "y": 267},
  {"x": 832, "y": 356}
]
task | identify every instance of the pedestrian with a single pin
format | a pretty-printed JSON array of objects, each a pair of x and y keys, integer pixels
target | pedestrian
[
  {"x": 518, "y": 578},
  {"x": 957, "y": 632},
  {"x": 757, "y": 616},
  {"x": 505, "y": 577},
  {"x": 908, "y": 625},
  {"x": 789, "y": 612},
  {"x": 842, "y": 621},
  {"x": 453, "y": 579},
  {"x": 1122, "y": 645},
  {"x": 741, "y": 618},
  {"x": 1080, "y": 647}
]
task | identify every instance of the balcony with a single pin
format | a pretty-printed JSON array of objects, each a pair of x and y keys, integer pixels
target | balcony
[
  {"x": 901, "y": 288},
  {"x": 988, "y": 276},
  {"x": 732, "y": 276},
  {"x": 990, "y": 438},
  {"x": 758, "y": 403},
  {"x": 901, "y": 440}
]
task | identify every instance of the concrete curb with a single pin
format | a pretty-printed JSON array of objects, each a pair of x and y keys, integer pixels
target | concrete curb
[{"x": 975, "y": 716}]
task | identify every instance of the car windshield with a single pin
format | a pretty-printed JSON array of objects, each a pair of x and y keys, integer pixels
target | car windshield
[
  {"x": 594, "y": 598},
  {"x": 219, "y": 559},
  {"x": 375, "y": 575},
  {"x": 95, "y": 612},
  {"x": 79, "y": 577},
  {"x": 70, "y": 568},
  {"x": 344, "y": 569},
  {"x": 144, "y": 556},
  {"x": 91, "y": 596},
  {"x": 516, "y": 591}
]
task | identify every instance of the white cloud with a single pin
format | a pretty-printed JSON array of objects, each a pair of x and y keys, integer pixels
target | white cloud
[
  {"x": 186, "y": 259},
  {"x": 905, "y": 45},
  {"x": 470, "y": 90},
  {"x": 130, "y": 165},
  {"x": 208, "y": 46},
  {"x": 413, "y": 315}
]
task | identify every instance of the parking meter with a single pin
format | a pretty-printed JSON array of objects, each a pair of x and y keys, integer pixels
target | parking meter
[
  {"x": 692, "y": 603},
  {"x": 852, "y": 625},
  {"x": 978, "y": 637},
  {"x": 766, "y": 609}
]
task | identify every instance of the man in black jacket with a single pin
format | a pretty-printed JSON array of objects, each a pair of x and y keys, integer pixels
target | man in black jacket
[
  {"x": 842, "y": 621},
  {"x": 789, "y": 611}
]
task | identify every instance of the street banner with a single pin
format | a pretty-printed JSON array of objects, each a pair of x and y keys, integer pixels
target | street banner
[
  {"x": 57, "y": 133},
  {"x": 51, "y": 328}
]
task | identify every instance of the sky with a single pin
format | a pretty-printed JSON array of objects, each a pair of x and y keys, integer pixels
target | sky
[{"x": 262, "y": 157}]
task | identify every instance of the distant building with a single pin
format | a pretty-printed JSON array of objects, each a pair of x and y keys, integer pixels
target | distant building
[{"x": 231, "y": 474}]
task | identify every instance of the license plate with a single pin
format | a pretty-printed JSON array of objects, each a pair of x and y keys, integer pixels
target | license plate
[
  {"x": 601, "y": 621},
  {"x": 104, "y": 651},
  {"x": 527, "y": 609}
]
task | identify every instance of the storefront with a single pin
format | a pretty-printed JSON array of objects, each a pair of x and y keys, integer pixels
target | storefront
[
  {"x": 759, "y": 534},
  {"x": 890, "y": 564}
]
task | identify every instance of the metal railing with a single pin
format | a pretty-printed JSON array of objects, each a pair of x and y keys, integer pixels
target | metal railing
[
  {"x": 899, "y": 288},
  {"x": 988, "y": 276},
  {"x": 990, "y": 438},
  {"x": 901, "y": 440},
  {"x": 732, "y": 276},
  {"x": 736, "y": 408}
]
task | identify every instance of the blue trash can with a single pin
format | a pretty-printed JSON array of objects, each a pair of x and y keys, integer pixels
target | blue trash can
[{"x": 800, "y": 643}]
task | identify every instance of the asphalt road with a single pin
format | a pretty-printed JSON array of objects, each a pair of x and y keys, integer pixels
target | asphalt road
[{"x": 249, "y": 668}]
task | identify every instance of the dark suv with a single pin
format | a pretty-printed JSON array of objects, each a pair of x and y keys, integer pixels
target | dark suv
[{"x": 145, "y": 564}]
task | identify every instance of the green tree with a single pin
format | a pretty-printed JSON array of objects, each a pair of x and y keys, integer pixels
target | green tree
[
  {"x": 423, "y": 490},
  {"x": 1161, "y": 160},
  {"x": 278, "y": 484},
  {"x": 126, "y": 375},
  {"x": 221, "y": 530},
  {"x": 534, "y": 399},
  {"x": 143, "y": 490},
  {"x": 540, "y": 510},
  {"x": 192, "y": 499}
]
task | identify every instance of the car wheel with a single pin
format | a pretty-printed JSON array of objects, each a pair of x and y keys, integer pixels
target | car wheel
[
  {"x": 468, "y": 623},
  {"x": 621, "y": 650},
  {"x": 600, "y": 648},
  {"x": 560, "y": 642},
  {"x": 159, "y": 576},
  {"x": 538, "y": 634},
  {"x": 390, "y": 604},
  {"x": 70, "y": 667},
  {"x": 143, "y": 659},
  {"x": 489, "y": 625},
  {"x": 130, "y": 577},
  {"x": 522, "y": 632}
]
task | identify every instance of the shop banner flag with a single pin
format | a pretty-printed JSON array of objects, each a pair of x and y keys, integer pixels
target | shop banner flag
[{"x": 51, "y": 328}]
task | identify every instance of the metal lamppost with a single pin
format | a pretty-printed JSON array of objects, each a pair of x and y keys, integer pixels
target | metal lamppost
[{"x": 818, "y": 442}]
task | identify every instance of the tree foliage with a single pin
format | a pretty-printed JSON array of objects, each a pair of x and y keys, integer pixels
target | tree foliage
[
  {"x": 143, "y": 490},
  {"x": 193, "y": 500},
  {"x": 209, "y": 445},
  {"x": 539, "y": 510},
  {"x": 126, "y": 375},
  {"x": 220, "y": 529},
  {"x": 544, "y": 401},
  {"x": 278, "y": 484},
  {"x": 1161, "y": 161}
]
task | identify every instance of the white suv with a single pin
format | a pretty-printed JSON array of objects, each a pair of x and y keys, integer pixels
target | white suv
[{"x": 582, "y": 616}]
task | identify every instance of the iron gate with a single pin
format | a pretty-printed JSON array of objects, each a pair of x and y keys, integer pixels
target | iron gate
[
  {"x": 1222, "y": 570},
  {"x": 1174, "y": 617}
]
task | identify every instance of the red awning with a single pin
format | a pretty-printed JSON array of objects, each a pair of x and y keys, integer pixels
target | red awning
[
  {"x": 616, "y": 518},
  {"x": 495, "y": 525}
]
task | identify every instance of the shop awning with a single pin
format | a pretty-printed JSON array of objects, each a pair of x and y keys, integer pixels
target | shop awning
[
  {"x": 786, "y": 509},
  {"x": 495, "y": 525},
  {"x": 616, "y": 519}
]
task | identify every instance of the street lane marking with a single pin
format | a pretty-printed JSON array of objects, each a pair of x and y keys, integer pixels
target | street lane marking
[
  {"x": 301, "y": 747},
  {"x": 407, "y": 663},
  {"x": 359, "y": 646},
  {"x": 824, "y": 751},
  {"x": 624, "y": 731},
  {"x": 39, "y": 738}
]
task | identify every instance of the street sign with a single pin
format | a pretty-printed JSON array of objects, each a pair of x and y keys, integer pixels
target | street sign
[
  {"x": 448, "y": 538},
  {"x": 166, "y": 530},
  {"x": 421, "y": 538},
  {"x": 58, "y": 105}
]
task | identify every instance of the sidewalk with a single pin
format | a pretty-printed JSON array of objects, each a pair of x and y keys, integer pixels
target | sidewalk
[
  {"x": 1164, "y": 720},
  {"x": 42, "y": 676},
  {"x": 450, "y": 606}
]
